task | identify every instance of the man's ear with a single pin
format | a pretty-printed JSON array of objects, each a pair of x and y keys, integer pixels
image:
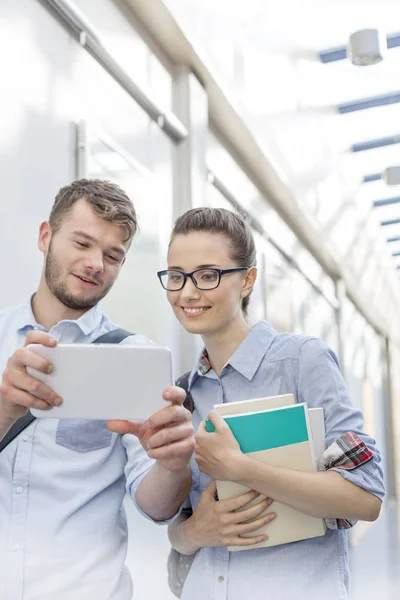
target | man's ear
[
  {"x": 249, "y": 281},
  {"x": 44, "y": 236}
]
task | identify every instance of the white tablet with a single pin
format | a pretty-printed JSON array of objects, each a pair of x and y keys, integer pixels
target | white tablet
[{"x": 105, "y": 381}]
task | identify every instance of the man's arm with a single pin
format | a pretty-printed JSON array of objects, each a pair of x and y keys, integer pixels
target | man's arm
[
  {"x": 167, "y": 437},
  {"x": 6, "y": 422},
  {"x": 161, "y": 492}
]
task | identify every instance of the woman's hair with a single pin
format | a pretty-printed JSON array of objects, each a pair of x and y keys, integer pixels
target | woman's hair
[{"x": 226, "y": 222}]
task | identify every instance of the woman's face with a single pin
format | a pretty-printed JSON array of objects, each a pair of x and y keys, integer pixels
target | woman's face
[{"x": 207, "y": 311}]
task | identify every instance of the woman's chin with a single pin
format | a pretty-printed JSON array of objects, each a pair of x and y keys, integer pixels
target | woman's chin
[{"x": 194, "y": 325}]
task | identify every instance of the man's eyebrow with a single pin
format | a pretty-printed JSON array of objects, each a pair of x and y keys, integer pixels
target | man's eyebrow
[
  {"x": 84, "y": 235},
  {"x": 90, "y": 238}
]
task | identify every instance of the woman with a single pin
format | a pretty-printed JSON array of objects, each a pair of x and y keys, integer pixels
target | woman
[{"x": 211, "y": 273}]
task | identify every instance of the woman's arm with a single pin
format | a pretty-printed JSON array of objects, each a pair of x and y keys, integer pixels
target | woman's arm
[
  {"x": 220, "y": 523},
  {"x": 322, "y": 494},
  {"x": 352, "y": 489}
]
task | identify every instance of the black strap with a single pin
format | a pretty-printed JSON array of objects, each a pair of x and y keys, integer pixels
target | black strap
[
  {"x": 183, "y": 382},
  {"x": 116, "y": 336},
  {"x": 19, "y": 425},
  {"x": 112, "y": 337}
]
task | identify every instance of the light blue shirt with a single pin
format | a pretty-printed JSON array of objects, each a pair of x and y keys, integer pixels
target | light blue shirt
[
  {"x": 268, "y": 363},
  {"x": 63, "y": 530}
]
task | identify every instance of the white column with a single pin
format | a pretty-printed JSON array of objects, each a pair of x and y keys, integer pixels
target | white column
[{"x": 190, "y": 105}]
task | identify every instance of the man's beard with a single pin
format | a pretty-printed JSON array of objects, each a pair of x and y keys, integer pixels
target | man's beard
[{"x": 53, "y": 277}]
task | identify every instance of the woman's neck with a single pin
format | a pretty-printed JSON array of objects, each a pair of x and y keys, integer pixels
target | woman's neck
[{"x": 220, "y": 345}]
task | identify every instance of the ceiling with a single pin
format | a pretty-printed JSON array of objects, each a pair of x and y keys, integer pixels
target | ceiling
[{"x": 299, "y": 31}]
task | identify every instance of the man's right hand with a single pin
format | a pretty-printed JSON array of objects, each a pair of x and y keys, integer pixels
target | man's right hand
[{"x": 19, "y": 391}]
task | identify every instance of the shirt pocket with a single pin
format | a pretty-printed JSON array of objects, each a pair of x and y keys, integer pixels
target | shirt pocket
[{"x": 82, "y": 435}]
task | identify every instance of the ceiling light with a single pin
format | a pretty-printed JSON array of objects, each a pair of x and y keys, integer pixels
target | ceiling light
[
  {"x": 367, "y": 47},
  {"x": 392, "y": 175}
]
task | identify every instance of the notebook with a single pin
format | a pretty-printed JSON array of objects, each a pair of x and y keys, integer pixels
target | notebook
[
  {"x": 280, "y": 437},
  {"x": 315, "y": 415}
]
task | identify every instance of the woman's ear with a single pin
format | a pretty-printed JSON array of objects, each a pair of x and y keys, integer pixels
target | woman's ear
[{"x": 249, "y": 281}]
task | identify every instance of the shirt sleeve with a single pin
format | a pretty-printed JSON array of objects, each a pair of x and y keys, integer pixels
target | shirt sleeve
[
  {"x": 138, "y": 463},
  {"x": 137, "y": 466},
  {"x": 321, "y": 384}
]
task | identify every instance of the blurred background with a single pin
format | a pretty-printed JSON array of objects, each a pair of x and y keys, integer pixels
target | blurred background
[{"x": 287, "y": 111}]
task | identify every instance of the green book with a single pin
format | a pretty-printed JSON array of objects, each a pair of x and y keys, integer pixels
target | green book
[{"x": 268, "y": 429}]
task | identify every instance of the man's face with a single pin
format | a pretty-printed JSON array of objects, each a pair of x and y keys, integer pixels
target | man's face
[{"x": 83, "y": 258}]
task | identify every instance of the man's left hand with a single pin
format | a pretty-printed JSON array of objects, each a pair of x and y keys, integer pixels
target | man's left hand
[{"x": 168, "y": 435}]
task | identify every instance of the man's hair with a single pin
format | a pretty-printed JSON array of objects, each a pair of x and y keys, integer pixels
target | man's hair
[
  {"x": 226, "y": 222},
  {"x": 107, "y": 199}
]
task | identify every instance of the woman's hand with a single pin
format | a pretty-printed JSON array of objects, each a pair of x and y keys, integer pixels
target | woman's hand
[
  {"x": 217, "y": 453},
  {"x": 223, "y": 522}
]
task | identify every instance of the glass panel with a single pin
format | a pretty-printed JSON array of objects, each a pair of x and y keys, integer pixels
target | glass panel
[
  {"x": 282, "y": 295},
  {"x": 224, "y": 167},
  {"x": 121, "y": 37},
  {"x": 128, "y": 300},
  {"x": 395, "y": 388}
]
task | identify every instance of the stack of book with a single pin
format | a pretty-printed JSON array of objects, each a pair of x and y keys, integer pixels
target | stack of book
[{"x": 283, "y": 434}]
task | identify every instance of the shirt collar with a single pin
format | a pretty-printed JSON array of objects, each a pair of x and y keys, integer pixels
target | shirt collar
[
  {"x": 252, "y": 350},
  {"x": 87, "y": 323},
  {"x": 247, "y": 358}
]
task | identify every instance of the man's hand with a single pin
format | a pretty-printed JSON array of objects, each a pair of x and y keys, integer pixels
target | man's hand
[
  {"x": 19, "y": 391},
  {"x": 217, "y": 453},
  {"x": 167, "y": 435}
]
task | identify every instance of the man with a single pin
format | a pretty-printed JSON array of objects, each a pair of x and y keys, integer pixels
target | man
[{"x": 62, "y": 526}]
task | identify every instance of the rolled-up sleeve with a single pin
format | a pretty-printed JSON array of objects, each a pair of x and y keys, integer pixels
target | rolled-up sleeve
[
  {"x": 320, "y": 384},
  {"x": 137, "y": 466}
]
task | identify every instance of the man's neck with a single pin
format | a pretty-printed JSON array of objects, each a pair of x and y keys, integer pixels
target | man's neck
[{"x": 48, "y": 310}]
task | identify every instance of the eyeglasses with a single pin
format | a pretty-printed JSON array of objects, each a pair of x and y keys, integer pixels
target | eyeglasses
[{"x": 206, "y": 279}]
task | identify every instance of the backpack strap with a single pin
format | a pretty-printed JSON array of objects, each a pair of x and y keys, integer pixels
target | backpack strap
[
  {"x": 19, "y": 425},
  {"x": 115, "y": 336},
  {"x": 183, "y": 382}
]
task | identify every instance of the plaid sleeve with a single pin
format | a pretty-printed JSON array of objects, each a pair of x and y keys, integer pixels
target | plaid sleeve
[{"x": 347, "y": 452}]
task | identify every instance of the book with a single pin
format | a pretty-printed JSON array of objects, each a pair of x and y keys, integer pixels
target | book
[
  {"x": 280, "y": 436},
  {"x": 316, "y": 415}
]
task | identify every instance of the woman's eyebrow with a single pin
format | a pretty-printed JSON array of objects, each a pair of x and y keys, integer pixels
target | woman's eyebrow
[{"x": 208, "y": 266}]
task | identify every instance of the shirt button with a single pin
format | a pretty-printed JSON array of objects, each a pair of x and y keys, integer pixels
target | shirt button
[
  {"x": 25, "y": 438},
  {"x": 221, "y": 578},
  {"x": 20, "y": 490},
  {"x": 15, "y": 547}
]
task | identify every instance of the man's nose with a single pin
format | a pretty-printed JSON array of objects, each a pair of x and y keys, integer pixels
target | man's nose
[{"x": 94, "y": 262}]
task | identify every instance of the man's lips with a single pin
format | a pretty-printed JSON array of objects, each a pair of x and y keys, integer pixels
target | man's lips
[{"x": 85, "y": 280}]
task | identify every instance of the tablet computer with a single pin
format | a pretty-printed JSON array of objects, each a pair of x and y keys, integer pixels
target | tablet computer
[{"x": 105, "y": 381}]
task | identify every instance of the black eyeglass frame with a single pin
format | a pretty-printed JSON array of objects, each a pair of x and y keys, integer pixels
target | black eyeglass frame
[{"x": 219, "y": 272}]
